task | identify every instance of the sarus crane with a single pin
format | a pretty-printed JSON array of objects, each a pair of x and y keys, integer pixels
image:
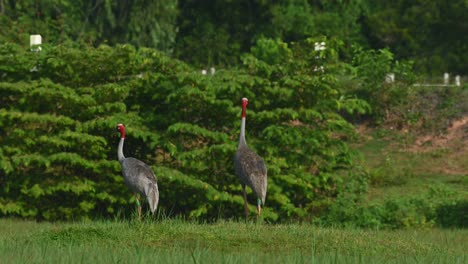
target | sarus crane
[
  {"x": 138, "y": 176},
  {"x": 250, "y": 168}
]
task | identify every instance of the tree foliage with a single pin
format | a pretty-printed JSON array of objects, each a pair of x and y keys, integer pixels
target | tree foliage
[
  {"x": 373, "y": 83},
  {"x": 59, "y": 108},
  {"x": 141, "y": 23},
  {"x": 207, "y": 33},
  {"x": 428, "y": 32},
  {"x": 55, "y": 124}
]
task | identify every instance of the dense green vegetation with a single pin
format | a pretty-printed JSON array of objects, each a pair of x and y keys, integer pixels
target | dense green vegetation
[
  {"x": 205, "y": 34},
  {"x": 109, "y": 62},
  {"x": 178, "y": 241},
  {"x": 58, "y": 143},
  {"x": 57, "y": 137}
]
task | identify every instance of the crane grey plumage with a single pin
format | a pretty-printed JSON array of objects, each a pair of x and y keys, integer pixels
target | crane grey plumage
[
  {"x": 250, "y": 167},
  {"x": 138, "y": 176}
]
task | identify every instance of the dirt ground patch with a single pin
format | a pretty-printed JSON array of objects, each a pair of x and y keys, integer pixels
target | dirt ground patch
[
  {"x": 455, "y": 139},
  {"x": 447, "y": 153},
  {"x": 454, "y": 143}
]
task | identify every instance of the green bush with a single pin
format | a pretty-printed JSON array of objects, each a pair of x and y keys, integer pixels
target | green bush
[
  {"x": 453, "y": 215},
  {"x": 59, "y": 108},
  {"x": 370, "y": 84},
  {"x": 438, "y": 207}
]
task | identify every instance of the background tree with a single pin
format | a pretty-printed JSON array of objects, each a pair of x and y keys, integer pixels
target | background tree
[
  {"x": 428, "y": 32},
  {"x": 58, "y": 141},
  {"x": 216, "y": 33},
  {"x": 207, "y": 34},
  {"x": 59, "y": 107},
  {"x": 139, "y": 22},
  {"x": 56, "y": 134}
]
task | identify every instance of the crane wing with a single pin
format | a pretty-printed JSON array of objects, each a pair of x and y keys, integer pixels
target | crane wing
[
  {"x": 252, "y": 171},
  {"x": 137, "y": 168},
  {"x": 137, "y": 175}
]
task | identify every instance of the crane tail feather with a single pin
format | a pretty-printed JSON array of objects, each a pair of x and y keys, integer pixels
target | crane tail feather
[{"x": 153, "y": 196}]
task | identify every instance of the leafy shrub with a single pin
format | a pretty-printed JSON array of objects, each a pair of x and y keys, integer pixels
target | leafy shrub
[
  {"x": 432, "y": 108},
  {"x": 371, "y": 70},
  {"x": 388, "y": 174},
  {"x": 439, "y": 206},
  {"x": 453, "y": 215},
  {"x": 58, "y": 141},
  {"x": 271, "y": 51}
]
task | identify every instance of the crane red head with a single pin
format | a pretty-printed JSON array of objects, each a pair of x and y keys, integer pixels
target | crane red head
[
  {"x": 244, "y": 107},
  {"x": 121, "y": 129}
]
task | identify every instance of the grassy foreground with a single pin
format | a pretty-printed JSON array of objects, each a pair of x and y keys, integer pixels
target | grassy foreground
[{"x": 177, "y": 241}]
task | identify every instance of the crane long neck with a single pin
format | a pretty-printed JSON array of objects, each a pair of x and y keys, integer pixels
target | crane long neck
[
  {"x": 242, "y": 133},
  {"x": 120, "y": 154}
]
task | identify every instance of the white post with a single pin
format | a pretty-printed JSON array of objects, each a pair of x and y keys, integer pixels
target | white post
[
  {"x": 457, "y": 80},
  {"x": 35, "y": 42},
  {"x": 446, "y": 78},
  {"x": 390, "y": 77}
]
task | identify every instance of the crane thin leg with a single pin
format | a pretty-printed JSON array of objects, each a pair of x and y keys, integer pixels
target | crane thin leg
[
  {"x": 137, "y": 197},
  {"x": 259, "y": 207}
]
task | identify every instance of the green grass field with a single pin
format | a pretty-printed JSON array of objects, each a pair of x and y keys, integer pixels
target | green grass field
[
  {"x": 178, "y": 241},
  {"x": 396, "y": 168},
  {"x": 394, "y": 171}
]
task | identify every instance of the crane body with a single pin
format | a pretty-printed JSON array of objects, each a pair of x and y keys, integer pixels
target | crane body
[
  {"x": 139, "y": 177},
  {"x": 250, "y": 168}
]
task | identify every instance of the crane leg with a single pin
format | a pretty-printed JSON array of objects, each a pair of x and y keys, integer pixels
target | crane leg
[
  {"x": 259, "y": 207},
  {"x": 137, "y": 197},
  {"x": 246, "y": 207},
  {"x": 139, "y": 212}
]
